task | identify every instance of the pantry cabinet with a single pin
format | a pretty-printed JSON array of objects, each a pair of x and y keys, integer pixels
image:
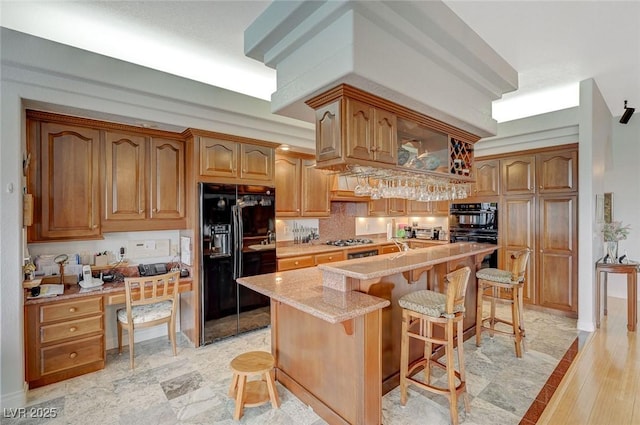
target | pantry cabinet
[
  {"x": 64, "y": 178},
  {"x": 538, "y": 210},
  {"x": 301, "y": 189}
]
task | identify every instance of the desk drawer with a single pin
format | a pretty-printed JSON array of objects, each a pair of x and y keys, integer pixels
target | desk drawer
[
  {"x": 71, "y": 329},
  {"x": 69, "y": 355},
  {"x": 70, "y": 309}
]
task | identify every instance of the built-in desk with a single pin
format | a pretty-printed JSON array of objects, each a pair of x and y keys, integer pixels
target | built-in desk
[
  {"x": 65, "y": 334},
  {"x": 631, "y": 271}
]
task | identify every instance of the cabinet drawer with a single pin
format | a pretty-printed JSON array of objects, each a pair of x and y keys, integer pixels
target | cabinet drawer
[
  {"x": 330, "y": 257},
  {"x": 71, "y": 354},
  {"x": 71, "y": 329},
  {"x": 387, "y": 249},
  {"x": 295, "y": 263},
  {"x": 70, "y": 309}
]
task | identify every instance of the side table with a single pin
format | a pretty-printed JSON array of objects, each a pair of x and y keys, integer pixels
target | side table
[{"x": 631, "y": 270}]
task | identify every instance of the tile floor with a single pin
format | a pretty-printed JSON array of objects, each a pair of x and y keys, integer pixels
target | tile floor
[{"x": 192, "y": 387}]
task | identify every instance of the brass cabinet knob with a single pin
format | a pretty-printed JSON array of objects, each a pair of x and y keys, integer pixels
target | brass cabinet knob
[
  {"x": 72, "y": 310},
  {"x": 296, "y": 263},
  {"x": 73, "y": 329},
  {"x": 73, "y": 355}
]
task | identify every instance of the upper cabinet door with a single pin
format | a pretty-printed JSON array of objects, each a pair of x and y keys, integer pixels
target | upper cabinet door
[
  {"x": 359, "y": 128},
  {"x": 167, "y": 186},
  {"x": 385, "y": 144},
  {"x": 487, "y": 178},
  {"x": 69, "y": 200},
  {"x": 328, "y": 125},
  {"x": 518, "y": 175},
  {"x": 218, "y": 158},
  {"x": 315, "y": 190},
  {"x": 256, "y": 162},
  {"x": 557, "y": 171},
  {"x": 125, "y": 178},
  {"x": 287, "y": 186}
]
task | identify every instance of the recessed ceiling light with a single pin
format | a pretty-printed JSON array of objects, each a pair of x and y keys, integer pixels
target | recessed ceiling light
[{"x": 284, "y": 147}]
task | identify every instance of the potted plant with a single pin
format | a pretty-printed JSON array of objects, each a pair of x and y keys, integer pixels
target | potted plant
[{"x": 612, "y": 233}]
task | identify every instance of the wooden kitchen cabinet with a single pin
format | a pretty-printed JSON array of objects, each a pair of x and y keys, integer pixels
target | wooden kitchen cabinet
[
  {"x": 144, "y": 181},
  {"x": 125, "y": 180},
  {"x": 227, "y": 159},
  {"x": 557, "y": 171},
  {"x": 301, "y": 261},
  {"x": 64, "y": 339},
  {"x": 387, "y": 207},
  {"x": 64, "y": 179},
  {"x": 558, "y": 252},
  {"x": 518, "y": 175},
  {"x": 538, "y": 210},
  {"x": 302, "y": 190},
  {"x": 487, "y": 178},
  {"x": 517, "y": 230},
  {"x": 427, "y": 208},
  {"x": 371, "y": 133}
]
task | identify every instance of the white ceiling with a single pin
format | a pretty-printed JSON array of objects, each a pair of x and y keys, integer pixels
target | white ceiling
[{"x": 552, "y": 45}]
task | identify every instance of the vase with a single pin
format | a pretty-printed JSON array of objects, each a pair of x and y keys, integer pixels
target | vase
[{"x": 612, "y": 251}]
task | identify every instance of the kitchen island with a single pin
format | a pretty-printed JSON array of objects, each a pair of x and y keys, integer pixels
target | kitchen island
[{"x": 335, "y": 328}]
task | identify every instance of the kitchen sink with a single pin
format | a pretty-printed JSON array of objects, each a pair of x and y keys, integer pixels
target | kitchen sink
[{"x": 260, "y": 247}]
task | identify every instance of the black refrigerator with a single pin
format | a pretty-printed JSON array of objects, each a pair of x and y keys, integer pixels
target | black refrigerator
[{"x": 238, "y": 239}]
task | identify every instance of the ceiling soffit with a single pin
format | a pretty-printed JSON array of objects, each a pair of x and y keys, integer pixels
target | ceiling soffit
[{"x": 417, "y": 54}]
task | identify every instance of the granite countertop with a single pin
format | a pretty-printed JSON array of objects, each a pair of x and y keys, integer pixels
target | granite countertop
[
  {"x": 303, "y": 289},
  {"x": 319, "y": 248},
  {"x": 398, "y": 262}
]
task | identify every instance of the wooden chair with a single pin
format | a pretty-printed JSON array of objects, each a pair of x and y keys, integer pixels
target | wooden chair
[
  {"x": 256, "y": 392},
  {"x": 153, "y": 303},
  {"x": 511, "y": 281},
  {"x": 421, "y": 310}
]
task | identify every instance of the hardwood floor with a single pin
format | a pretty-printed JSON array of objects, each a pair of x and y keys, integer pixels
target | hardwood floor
[{"x": 602, "y": 386}]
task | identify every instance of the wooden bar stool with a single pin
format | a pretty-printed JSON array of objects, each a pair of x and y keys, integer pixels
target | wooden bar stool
[
  {"x": 257, "y": 392},
  {"x": 513, "y": 282},
  {"x": 422, "y": 310}
]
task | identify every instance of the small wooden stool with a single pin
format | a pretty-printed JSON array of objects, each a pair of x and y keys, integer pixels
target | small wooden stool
[{"x": 253, "y": 393}]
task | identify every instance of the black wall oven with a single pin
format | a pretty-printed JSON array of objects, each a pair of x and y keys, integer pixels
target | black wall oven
[{"x": 477, "y": 222}]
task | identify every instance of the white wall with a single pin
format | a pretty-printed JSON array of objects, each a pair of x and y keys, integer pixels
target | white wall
[
  {"x": 595, "y": 144},
  {"x": 621, "y": 180},
  {"x": 39, "y": 73}
]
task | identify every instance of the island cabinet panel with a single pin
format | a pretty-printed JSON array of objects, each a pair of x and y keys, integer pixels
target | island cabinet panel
[
  {"x": 558, "y": 252},
  {"x": 65, "y": 181},
  {"x": 339, "y": 362},
  {"x": 518, "y": 175}
]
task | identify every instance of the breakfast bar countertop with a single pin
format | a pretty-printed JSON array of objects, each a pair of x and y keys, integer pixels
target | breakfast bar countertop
[
  {"x": 389, "y": 264},
  {"x": 303, "y": 289}
]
